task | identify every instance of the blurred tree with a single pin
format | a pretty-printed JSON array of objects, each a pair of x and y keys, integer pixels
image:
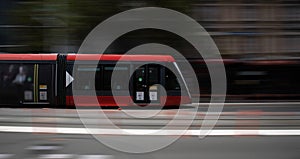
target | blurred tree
[{"x": 61, "y": 25}]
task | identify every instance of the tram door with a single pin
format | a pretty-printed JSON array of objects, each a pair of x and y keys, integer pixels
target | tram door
[
  {"x": 26, "y": 83},
  {"x": 145, "y": 88}
]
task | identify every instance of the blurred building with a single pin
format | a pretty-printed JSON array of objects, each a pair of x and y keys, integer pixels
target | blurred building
[
  {"x": 239, "y": 27},
  {"x": 254, "y": 27}
]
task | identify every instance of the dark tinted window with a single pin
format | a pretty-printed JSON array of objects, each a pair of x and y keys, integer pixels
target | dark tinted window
[
  {"x": 171, "y": 80},
  {"x": 82, "y": 76},
  {"x": 16, "y": 74},
  {"x": 118, "y": 83},
  {"x": 153, "y": 74},
  {"x": 16, "y": 83}
]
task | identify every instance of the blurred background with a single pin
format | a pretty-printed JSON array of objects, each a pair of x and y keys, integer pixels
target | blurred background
[{"x": 239, "y": 27}]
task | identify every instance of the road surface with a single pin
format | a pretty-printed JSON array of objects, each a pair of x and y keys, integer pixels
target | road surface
[{"x": 244, "y": 130}]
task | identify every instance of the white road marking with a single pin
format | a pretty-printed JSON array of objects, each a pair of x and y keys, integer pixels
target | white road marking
[
  {"x": 95, "y": 157},
  {"x": 6, "y": 156},
  {"x": 149, "y": 132},
  {"x": 43, "y": 148},
  {"x": 73, "y": 156},
  {"x": 54, "y": 156}
]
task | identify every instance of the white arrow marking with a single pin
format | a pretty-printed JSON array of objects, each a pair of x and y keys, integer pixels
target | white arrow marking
[{"x": 69, "y": 79}]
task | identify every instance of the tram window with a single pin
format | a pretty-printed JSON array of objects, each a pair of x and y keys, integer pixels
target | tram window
[
  {"x": 16, "y": 74},
  {"x": 171, "y": 80},
  {"x": 8, "y": 72},
  {"x": 119, "y": 83},
  {"x": 153, "y": 74},
  {"x": 83, "y": 74},
  {"x": 16, "y": 82}
]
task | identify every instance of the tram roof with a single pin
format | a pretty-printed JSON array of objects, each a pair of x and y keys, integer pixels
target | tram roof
[
  {"x": 118, "y": 57},
  {"x": 87, "y": 57},
  {"x": 28, "y": 57}
]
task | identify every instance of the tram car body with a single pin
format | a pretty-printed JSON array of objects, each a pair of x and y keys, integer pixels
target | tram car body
[
  {"x": 252, "y": 79},
  {"x": 49, "y": 79}
]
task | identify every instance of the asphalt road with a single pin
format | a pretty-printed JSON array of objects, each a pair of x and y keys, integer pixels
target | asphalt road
[{"x": 244, "y": 130}]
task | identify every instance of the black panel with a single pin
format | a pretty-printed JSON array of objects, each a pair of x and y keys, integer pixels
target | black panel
[{"x": 61, "y": 80}]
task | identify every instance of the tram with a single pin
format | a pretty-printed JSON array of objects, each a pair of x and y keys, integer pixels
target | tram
[{"x": 51, "y": 80}]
